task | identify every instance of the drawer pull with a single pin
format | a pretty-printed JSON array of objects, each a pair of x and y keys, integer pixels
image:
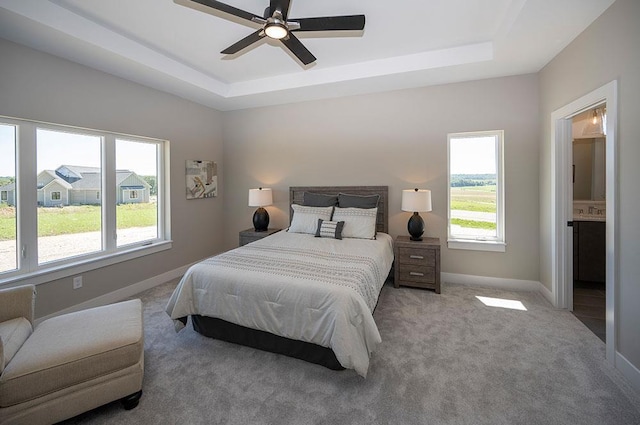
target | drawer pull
[
  {"x": 416, "y": 274},
  {"x": 417, "y": 257}
]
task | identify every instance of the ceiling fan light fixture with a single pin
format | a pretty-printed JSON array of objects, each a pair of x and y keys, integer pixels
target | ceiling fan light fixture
[{"x": 276, "y": 30}]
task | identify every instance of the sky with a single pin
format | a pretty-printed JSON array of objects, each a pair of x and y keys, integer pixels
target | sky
[
  {"x": 56, "y": 148},
  {"x": 473, "y": 155}
]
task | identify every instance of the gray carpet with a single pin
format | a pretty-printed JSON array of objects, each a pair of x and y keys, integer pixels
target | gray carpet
[{"x": 445, "y": 359}]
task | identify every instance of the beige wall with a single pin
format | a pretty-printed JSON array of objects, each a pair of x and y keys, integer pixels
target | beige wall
[
  {"x": 608, "y": 50},
  {"x": 397, "y": 139},
  {"x": 38, "y": 86}
]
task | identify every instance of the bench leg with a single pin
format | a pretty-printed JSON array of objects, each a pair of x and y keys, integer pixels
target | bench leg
[{"x": 131, "y": 401}]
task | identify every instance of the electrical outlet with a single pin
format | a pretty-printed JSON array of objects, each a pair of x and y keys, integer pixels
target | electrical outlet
[{"x": 77, "y": 282}]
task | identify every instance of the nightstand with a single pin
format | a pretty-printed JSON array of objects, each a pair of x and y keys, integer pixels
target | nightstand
[
  {"x": 250, "y": 235},
  {"x": 417, "y": 263}
]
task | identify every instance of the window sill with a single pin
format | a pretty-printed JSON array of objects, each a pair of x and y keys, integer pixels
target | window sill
[
  {"x": 491, "y": 246},
  {"x": 59, "y": 271}
]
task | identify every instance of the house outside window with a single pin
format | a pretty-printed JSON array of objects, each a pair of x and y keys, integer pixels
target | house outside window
[
  {"x": 86, "y": 230},
  {"x": 476, "y": 191},
  {"x": 133, "y": 194}
]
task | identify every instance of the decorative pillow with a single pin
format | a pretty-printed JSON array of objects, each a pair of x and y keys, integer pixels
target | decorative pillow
[
  {"x": 329, "y": 229},
  {"x": 319, "y": 200},
  {"x": 358, "y": 201},
  {"x": 13, "y": 334},
  {"x": 305, "y": 219},
  {"x": 358, "y": 222}
]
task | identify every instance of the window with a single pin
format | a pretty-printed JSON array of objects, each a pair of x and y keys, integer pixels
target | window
[
  {"x": 69, "y": 163},
  {"x": 137, "y": 165},
  {"x": 68, "y": 212},
  {"x": 8, "y": 219},
  {"x": 476, "y": 191}
]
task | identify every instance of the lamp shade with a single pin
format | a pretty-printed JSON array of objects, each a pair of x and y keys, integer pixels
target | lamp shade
[
  {"x": 416, "y": 200},
  {"x": 260, "y": 197}
]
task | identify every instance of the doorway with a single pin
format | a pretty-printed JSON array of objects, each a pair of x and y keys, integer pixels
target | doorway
[
  {"x": 589, "y": 219},
  {"x": 562, "y": 205}
]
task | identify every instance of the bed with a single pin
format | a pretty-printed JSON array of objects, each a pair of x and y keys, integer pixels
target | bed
[{"x": 294, "y": 293}]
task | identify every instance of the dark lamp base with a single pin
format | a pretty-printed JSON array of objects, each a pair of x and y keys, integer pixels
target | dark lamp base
[
  {"x": 261, "y": 220},
  {"x": 415, "y": 226}
]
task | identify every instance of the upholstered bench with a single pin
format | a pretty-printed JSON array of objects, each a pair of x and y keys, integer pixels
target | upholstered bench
[{"x": 73, "y": 363}]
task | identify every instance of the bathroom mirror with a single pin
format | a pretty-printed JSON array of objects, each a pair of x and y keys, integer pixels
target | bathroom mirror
[{"x": 589, "y": 169}]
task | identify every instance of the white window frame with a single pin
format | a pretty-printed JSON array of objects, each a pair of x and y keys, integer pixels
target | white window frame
[
  {"x": 495, "y": 244},
  {"x": 53, "y": 198},
  {"x": 28, "y": 268}
]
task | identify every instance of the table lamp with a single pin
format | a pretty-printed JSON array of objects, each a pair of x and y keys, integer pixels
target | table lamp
[
  {"x": 260, "y": 198},
  {"x": 416, "y": 200}
]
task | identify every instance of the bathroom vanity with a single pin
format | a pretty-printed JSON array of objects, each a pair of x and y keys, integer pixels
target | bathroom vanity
[{"x": 589, "y": 248}]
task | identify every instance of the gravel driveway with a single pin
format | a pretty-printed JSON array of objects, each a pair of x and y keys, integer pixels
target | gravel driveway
[{"x": 52, "y": 248}]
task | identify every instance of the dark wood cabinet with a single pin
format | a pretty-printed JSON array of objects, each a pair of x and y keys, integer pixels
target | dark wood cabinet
[
  {"x": 417, "y": 263},
  {"x": 589, "y": 251}
]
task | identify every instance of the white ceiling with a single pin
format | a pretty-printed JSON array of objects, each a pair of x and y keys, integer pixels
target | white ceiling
[{"x": 174, "y": 45}]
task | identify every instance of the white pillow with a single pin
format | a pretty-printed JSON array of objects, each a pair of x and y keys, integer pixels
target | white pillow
[
  {"x": 305, "y": 219},
  {"x": 358, "y": 222}
]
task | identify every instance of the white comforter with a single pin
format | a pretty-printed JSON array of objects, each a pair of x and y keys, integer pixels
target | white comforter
[{"x": 318, "y": 290}]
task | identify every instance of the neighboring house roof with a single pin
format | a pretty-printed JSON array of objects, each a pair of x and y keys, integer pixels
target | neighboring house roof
[
  {"x": 88, "y": 181},
  {"x": 86, "y": 178},
  {"x": 8, "y": 186},
  {"x": 59, "y": 182}
]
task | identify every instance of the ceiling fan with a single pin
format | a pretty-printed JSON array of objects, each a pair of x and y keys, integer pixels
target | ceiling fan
[{"x": 277, "y": 25}]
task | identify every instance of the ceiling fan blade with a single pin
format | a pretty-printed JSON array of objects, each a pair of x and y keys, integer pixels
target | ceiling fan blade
[
  {"x": 228, "y": 9},
  {"x": 297, "y": 48},
  {"x": 282, "y": 4},
  {"x": 331, "y": 23},
  {"x": 245, "y": 42}
]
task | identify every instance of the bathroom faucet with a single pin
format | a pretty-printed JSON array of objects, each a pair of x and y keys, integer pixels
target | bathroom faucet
[{"x": 590, "y": 209}]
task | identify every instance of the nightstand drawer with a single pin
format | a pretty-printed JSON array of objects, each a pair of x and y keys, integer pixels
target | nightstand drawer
[
  {"x": 417, "y": 256},
  {"x": 417, "y": 274}
]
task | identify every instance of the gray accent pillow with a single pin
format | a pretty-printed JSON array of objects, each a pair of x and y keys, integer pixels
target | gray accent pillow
[
  {"x": 358, "y": 201},
  {"x": 329, "y": 229},
  {"x": 319, "y": 200}
]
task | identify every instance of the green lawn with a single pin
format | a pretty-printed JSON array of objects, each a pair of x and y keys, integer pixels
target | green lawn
[
  {"x": 78, "y": 219},
  {"x": 477, "y": 199},
  {"x": 474, "y": 224}
]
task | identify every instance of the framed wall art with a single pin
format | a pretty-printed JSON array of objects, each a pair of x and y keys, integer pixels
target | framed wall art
[{"x": 202, "y": 179}]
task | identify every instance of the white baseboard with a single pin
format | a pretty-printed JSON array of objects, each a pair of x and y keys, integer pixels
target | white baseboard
[
  {"x": 121, "y": 294},
  {"x": 629, "y": 371},
  {"x": 545, "y": 292},
  {"x": 492, "y": 282}
]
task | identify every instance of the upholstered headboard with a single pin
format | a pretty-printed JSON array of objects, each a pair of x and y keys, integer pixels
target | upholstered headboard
[{"x": 296, "y": 196}]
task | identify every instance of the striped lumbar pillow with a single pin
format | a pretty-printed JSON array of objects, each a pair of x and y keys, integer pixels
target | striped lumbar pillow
[{"x": 329, "y": 229}]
